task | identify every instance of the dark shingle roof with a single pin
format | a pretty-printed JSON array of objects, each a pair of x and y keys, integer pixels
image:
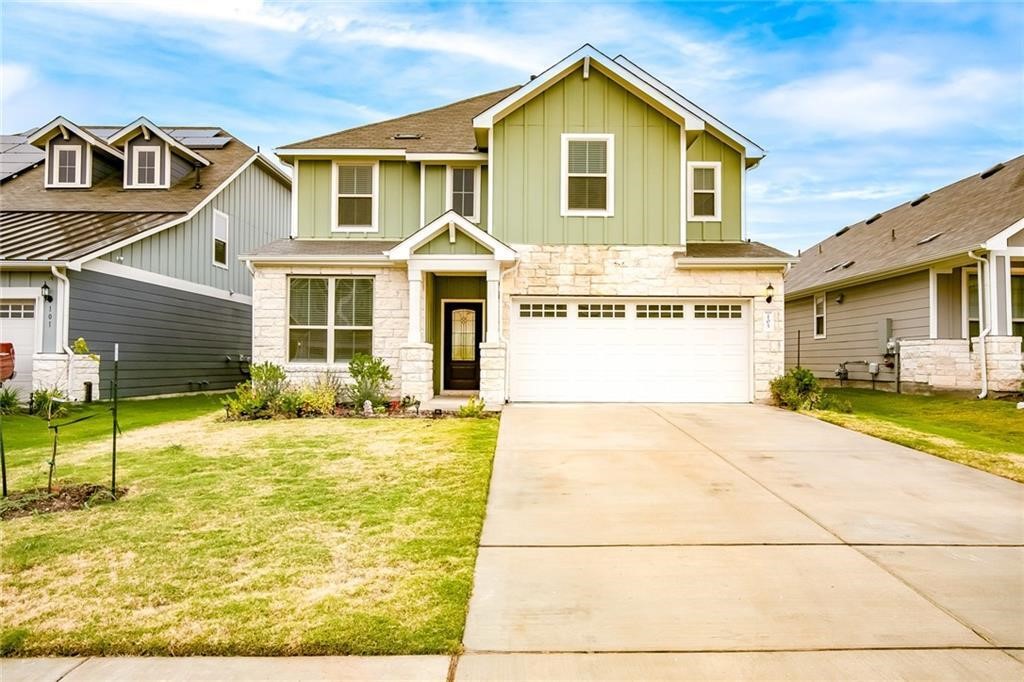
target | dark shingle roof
[
  {"x": 732, "y": 250},
  {"x": 312, "y": 248},
  {"x": 65, "y": 235},
  {"x": 962, "y": 215},
  {"x": 444, "y": 129}
]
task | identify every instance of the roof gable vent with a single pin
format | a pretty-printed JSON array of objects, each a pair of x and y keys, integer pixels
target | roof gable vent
[
  {"x": 406, "y": 136},
  {"x": 992, "y": 171},
  {"x": 920, "y": 200},
  {"x": 929, "y": 238},
  {"x": 872, "y": 218}
]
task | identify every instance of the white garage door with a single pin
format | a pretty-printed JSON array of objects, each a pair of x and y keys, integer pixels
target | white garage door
[
  {"x": 618, "y": 350},
  {"x": 18, "y": 326}
]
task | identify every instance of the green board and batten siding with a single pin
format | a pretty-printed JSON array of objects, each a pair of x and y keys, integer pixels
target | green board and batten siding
[
  {"x": 706, "y": 147},
  {"x": 527, "y": 156}
]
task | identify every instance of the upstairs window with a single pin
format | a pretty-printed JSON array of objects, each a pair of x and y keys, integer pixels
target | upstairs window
[
  {"x": 588, "y": 163},
  {"x": 819, "y": 316},
  {"x": 465, "y": 188},
  {"x": 145, "y": 166},
  {"x": 357, "y": 197},
  {"x": 68, "y": 168},
  {"x": 220, "y": 239},
  {"x": 705, "y": 179}
]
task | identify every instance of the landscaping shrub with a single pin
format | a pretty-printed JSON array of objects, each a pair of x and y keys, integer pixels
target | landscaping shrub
[
  {"x": 371, "y": 380},
  {"x": 261, "y": 396},
  {"x": 474, "y": 407},
  {"x": 318, "y": 399},
  {"x": 799, "y": 389},
  {"x": 49, "y": 403},
  {"x": 80, "y": 347},
  {"x": 9, "y": 400}
]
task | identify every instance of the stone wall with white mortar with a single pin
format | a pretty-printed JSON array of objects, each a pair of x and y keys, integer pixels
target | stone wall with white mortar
[
  {"x": 492, "y": 374},
  {"x": 549, "y": 270},
  {"x": 951, "y": 364},
  {"x": 416, "y": 370},
  {"x": 270, "y": 317},
  {"x": 50, "y": 370}
]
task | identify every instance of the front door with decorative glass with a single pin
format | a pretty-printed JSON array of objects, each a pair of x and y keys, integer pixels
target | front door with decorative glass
[{"x": 463, "y": 329}]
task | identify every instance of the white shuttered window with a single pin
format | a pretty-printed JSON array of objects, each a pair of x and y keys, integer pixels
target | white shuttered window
[
  {"x": 588, "y": 174},
  {"x": 220, "y": 238},
  {"x": 330, "y": 319},
  {"x": 357, "y": 189}
]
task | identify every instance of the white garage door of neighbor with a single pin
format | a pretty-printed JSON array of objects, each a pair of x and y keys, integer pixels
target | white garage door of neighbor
[
  {"x": 617, "y": 350},
  {"x": 18, "y": 326}
]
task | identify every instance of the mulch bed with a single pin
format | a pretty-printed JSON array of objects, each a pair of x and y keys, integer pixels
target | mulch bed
[{"x": 66, "y": 497}]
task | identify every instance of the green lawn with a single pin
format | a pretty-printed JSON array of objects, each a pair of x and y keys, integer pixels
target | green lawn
[
  {"x": 985, "y": 434},
  {"x": 314, "y": 536}
]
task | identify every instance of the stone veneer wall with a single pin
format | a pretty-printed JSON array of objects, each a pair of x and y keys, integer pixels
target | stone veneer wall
[
  {"x": 950, "y": 364},
  {"x": 546, "y": 270},
  {"x": 270, "y": 317},
  {"x": 50, "y": 370},
  {"x": 492, "y": 374}
]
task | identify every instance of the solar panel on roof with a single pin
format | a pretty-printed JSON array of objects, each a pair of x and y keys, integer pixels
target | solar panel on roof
[
  {"x": 102, "y": 131},
  {"x": 204, "y": 142},
  {"x": 181, "y": 133}
]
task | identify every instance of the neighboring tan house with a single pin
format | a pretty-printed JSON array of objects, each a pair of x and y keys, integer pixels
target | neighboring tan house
[
  {"x": 578, "y": 238},
  {"x": 898, "y": 294},
  {"x": 131, "y": 235}
]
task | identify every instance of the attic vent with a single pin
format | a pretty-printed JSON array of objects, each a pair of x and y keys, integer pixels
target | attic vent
[
  {"x": 843, "y": 231},
  {"x": 843, "y": 265},
  {"x": 848, "y": 264},
  {"x": 992, "y": 171},
  {"x": 929, "y": 238},
  {"x": 872, "y": 218},
  {"x": 920, "y": 200},
  {"x": 406, "y": 136}
]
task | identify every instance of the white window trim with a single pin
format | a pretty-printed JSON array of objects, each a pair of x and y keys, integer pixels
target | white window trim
[
  {"x": 824, "y": 315},
  {"x": 83, "y": 167},
  {"x": 717, "y": 167},
  {"x": 609, "y": 209},
  {"x": 161, "y": 156},
  {"x": 227, "y": 239},
  {"x": 449, "y": 187},
  {"x": 375, "y": 198},
  {"x": 1012, "y": 271},
  {"x": 331, "y": 327}
]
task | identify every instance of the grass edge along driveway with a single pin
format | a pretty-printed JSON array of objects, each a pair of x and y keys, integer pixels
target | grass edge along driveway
[
  {"x": 984, "y": 434},
  {"x": 313, "y": 536}
]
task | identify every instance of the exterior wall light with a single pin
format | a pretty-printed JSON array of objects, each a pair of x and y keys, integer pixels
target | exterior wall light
[
  {"x": 840, "y": 298},
  {"x": 46, "y": 293},
  {"x": 769, "y": 293}
]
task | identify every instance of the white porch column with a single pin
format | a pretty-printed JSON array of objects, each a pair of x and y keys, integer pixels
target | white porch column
[
  {"x": 492, "y": 334},
  {"x": 415, "y": 306}
]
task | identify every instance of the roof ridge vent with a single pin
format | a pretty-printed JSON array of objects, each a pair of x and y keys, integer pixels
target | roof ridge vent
[
  {"x": 921, "y": 199},
  {"x": 872, "y": 218},
  {"x": 985, "y": 175},
  {"x": 929, "y": 238},
  {"x": 407, "y": 136}
]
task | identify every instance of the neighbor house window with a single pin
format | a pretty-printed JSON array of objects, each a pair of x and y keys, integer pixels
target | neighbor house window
[
  {"x": 1017, "y": 302},
  {"x": 819, "y": 317},
  {"x": 67, "y": 171},
  {"x": 330, "y": 319},
  {"x": 220, "y": 238},
  {"x": 465, "y": 188},
  {"x": 588, "y": 172},
  {"x": 705, "y": 202},
  {"x": 145, "y": 166},
  {"x": 971, "y": 293},
  {"x": 357, "y": 197}
]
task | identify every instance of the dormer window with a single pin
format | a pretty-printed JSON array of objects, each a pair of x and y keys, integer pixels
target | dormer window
[
  {"x": 68, "y": 166},
  {"x": 145, "y": 170}
]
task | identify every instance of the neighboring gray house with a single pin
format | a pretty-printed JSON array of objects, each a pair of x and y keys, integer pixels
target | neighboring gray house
[
  {"x": 130, "y": 235},
  {"x": 914, "y": 290}
]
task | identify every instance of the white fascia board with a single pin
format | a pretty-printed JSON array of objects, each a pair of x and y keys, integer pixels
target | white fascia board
[
  {"x": 690, "y": 263},
  {"x": 77, "y": 263},
  {"x": 31, "y": 264},
  {"x": 43, "y": 135},
  {"x": 404, "y": 249},
  {"x": 381, "y": 261},
  {"x": 752, "y": 149},
  {"x": 446, "y": 156},
  {"x": 999, "y": 241},
  {"x": 143, "y": 122},
  {"x": 486, "y": 119}
]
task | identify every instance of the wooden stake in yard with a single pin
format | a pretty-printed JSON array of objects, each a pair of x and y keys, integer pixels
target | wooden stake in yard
[{"x": 113, "y": 452}]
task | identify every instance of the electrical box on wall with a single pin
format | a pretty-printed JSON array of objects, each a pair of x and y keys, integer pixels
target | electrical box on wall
[{"x": 885, "y": 336}]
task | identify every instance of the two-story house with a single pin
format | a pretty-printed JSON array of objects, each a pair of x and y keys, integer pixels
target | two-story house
[
  {"x": 131, "y": 235},
  {"x": 577, "y": 238}
]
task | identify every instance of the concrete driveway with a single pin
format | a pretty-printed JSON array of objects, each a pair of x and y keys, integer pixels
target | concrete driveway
[{"x": 714, "y": 541}]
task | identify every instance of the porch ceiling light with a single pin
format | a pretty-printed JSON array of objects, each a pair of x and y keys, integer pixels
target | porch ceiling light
[{"x": 769, "y": 293}]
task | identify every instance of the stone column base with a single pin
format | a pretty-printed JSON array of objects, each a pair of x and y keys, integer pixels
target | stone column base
[
  {"x": 492, "y": 374},
  {"x": 416, "y": 370},
  {"x": 50, "y": 370}
]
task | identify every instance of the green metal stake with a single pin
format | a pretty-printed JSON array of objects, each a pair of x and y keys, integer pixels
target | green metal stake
[
  {"x": 53, "y": 461},
  {"x": 3, "y": 455},
  {"x": 113, "y": 454}
]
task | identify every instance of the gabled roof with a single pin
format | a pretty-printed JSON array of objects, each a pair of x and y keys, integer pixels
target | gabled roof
[
  {"x": 443, "y": 129},
  {"x": 450, "y": 220},
  {"x": 60, "y": 125},
  {"x": 142, "y": 123},
  {"x": 939, "y": 225}
]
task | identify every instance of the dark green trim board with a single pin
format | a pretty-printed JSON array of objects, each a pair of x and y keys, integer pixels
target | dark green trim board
[{"x": 171, "y": 341}]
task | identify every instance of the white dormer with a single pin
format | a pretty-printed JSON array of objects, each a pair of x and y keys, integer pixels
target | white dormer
[
  {"x": 148, "y": 151},
  {"x": 69, "y": 153}
]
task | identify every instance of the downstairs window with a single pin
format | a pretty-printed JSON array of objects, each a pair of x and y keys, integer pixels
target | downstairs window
[{"x": 330, "y": 319}]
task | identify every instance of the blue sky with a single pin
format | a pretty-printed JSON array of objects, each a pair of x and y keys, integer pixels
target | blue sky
[{"x": 861, "y": 105}]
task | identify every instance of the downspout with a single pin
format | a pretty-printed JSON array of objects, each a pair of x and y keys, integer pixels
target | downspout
[
  {"x": 986, "y": 328},
  {"x": 65, "y": 305}
]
